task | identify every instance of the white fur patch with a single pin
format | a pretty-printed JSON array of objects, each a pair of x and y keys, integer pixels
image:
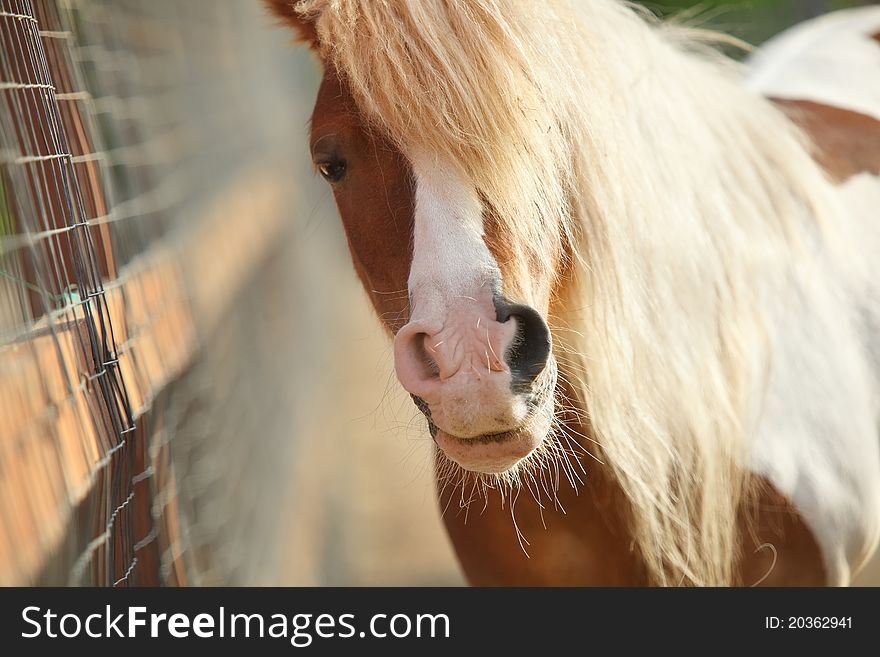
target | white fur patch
[
  {"x": 450, "y": 258},
  {"x": 831, "y": 60}
]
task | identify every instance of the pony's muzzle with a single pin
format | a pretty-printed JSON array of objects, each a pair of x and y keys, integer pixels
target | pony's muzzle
[{"x": 474, "y": 369}]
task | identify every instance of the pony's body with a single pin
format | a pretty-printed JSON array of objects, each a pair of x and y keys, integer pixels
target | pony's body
[
  {"x": 817, "y": 440},
  {"x": 707, "y": 409}
]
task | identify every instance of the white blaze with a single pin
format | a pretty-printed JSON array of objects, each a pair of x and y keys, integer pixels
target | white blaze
[{"x": 450, "y": 259}]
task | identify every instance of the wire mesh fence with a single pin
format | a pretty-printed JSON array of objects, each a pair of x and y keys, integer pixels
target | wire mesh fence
[{"x": 140, "y": 151}]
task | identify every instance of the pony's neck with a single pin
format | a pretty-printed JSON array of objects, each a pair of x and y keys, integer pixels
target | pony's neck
[{"x": 532, "y": 536}]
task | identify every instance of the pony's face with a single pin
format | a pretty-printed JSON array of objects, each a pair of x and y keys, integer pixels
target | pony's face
[
  {"x": 471, "y": 343},
  {"x": 466, "y": 306}
]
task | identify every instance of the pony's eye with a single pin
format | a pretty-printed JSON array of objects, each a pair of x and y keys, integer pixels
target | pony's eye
[{"x": 332, "y": 171}]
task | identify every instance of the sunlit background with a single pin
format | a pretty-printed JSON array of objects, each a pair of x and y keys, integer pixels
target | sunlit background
[{"x": 193, "y": 389}]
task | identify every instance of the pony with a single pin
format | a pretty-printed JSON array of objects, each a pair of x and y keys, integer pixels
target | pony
[{"x": 628, "y": 280}]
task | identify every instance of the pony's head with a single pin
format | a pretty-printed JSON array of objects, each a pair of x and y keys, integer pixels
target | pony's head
[
  {"x": 455, "y": 235},
  {"x": 505, "y": 166}
]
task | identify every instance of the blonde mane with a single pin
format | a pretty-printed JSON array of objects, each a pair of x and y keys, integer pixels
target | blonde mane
[{"x": 680, "y": 197}]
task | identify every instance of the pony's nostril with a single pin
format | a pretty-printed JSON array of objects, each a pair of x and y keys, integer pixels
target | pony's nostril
[
  {"x": 529, "y": 351},
  {"x": 423, "y": 348},
  {"x": 417, "y": 369}
]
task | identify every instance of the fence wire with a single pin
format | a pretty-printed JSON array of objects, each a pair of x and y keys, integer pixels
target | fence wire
[{"x": 140, "y": 203}]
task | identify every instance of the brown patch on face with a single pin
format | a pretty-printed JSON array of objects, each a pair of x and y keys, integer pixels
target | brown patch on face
[
  {"x": 876, "y": 37},
  {"x": 846, "y": 143},
  {"x": 375, "y": 198},
  {"x": 376, "y": 201}
]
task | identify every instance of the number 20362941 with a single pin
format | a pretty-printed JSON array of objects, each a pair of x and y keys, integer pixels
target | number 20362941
[{"x": 808, "y": 622}]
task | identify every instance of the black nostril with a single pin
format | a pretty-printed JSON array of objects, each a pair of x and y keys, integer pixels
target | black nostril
[{"x": 528, "y": 353}]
